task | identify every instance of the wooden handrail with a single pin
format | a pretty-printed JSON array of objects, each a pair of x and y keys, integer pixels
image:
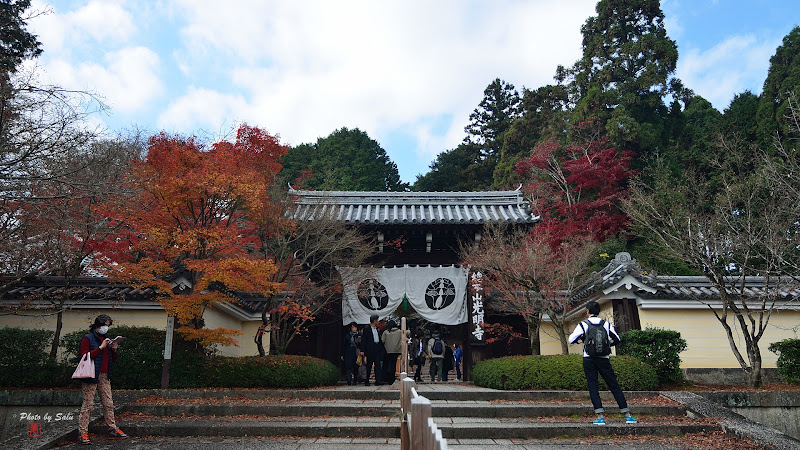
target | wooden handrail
[{"x": 418, "y": 430}]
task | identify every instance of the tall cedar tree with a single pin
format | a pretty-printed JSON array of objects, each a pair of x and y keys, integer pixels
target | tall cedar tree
[
  {"x": 189, "y": 217},
  {"x": 623, "y": 74},
  {"x": 783, "y": 79}
]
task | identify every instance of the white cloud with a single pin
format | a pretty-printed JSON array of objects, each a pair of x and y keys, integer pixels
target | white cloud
[
  {"x": 98, "y": 21},
  {"x": 310, "y": 67},
  {"x": 728, "y": 68},
  {"x": 102, "y": 20},
  {"x": 201, "y": 107},
  {"x": 127, "y": 81}
]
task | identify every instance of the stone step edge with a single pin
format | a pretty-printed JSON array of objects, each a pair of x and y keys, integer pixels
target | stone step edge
[
  {"x": 381, "y": 394},
  {"x": 504, "y": 411},
  {"x": 392, "y": 430}
]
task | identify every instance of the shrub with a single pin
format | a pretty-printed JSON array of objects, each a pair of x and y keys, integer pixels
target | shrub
[
  {"x": 788, "y": 351},
  {"x": 286, "y": 371},
  {"x": 657, "y": 347},
  {"x": 141, "y": 358},
  {"x": 24, "y": 359},
  {"x": 558, "y": 372}
]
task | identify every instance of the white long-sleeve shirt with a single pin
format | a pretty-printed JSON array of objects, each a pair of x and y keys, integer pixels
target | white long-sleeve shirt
[{"x": 580, "y": 331}]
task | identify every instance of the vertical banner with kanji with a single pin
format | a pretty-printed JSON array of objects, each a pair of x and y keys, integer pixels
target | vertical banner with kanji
[{"x": 477, "y": 312}]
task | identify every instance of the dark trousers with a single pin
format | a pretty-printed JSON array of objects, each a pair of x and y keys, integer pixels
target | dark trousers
[
  {"x": 458, "y": 372},
  {"x": 591, "y": 367},
  {"x": 389, "y": 366},
  {"x": 418, "y": 372},
  {"x": 377, "y": 360}
]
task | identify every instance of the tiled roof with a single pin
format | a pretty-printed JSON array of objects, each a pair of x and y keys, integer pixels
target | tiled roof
[
  {"x": 622, "y": 266},
  {"x": 414, "y": 208},
  {"x": 84, "y": 287},
  {"x": 698, "y": 287},
  {"x": 683, "y": 287}
]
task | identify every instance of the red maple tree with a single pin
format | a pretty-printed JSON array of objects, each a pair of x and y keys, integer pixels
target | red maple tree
[
  {"x": 577, "y": 188},
  {"x": 188, "y": 230}
]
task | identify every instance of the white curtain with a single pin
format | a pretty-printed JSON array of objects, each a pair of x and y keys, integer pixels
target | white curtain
[{"x": 437, "y": 293}]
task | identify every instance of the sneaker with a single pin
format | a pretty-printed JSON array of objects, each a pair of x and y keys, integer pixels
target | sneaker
[
  {"x": 117, "y": 434},
  {"x": 630, "y": 419},
  {"x": 84, "y": 439},
  {"x": 599, "y": 421}
]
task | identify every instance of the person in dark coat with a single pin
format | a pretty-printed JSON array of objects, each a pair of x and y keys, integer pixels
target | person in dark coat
[
  {"x": 372, "y": 348},
  {"x": 447, "y": 364},
  {"x": 350, "y": 352},
  {"x": 418, "y": 353}
]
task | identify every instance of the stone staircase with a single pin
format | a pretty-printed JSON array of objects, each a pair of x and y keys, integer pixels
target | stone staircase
[{"x": 461, "y": 411}]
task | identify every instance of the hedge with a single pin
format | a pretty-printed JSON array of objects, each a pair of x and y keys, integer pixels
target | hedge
[
  {"x": 788, "y": 351},
  {"x": 25, "y": 360},
  {"x": 558, "y": 372},
  {"x": 141, "y": 357},
  {"x": 287, "y": 371},
  {"x": 657, "y": 347}
]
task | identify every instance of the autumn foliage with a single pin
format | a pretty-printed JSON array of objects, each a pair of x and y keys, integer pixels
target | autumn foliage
[
  {"x": 577, "y": 188},
  {"x": 188, "y": 228}
]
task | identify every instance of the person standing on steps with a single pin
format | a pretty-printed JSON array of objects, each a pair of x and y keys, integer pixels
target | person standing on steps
[
  {"x": 392, "y": 340},
  {"x": 457, "y": 354},
  {"x": 436, "y": 347},
  {"x": 598, "y": 336},
  {"x": 418, "y": 352},
  {"x": 447, "y": 362},
  {"x": 350, "y": 349},
  {"x": 104, "y": 353},
  {"x": 372, "y": 348}
]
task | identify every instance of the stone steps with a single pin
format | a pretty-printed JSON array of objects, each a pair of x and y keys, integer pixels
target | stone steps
[
  {"x": 361, "y": 408},
  {"x": 462, "y": 412},
  {"x": 387, "y": 427}
]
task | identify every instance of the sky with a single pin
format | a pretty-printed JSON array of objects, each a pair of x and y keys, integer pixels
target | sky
[{"x": 408, "y": 73}]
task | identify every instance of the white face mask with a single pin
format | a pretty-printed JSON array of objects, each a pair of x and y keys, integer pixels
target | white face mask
[{"x": 103, "y": 329}]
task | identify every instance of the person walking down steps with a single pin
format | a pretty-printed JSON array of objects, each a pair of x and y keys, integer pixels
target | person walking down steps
[{"x": 598, "y": 336}]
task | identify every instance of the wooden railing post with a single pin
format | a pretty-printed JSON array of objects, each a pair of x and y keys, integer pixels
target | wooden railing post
[{"x": 420, "y": 413}]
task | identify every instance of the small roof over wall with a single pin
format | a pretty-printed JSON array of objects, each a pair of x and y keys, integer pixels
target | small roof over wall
[
  {"x": 414, "y": 208},
  {"x": 675, "y": 292}
]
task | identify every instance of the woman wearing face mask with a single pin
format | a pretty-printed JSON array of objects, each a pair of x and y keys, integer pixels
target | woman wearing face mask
[{"x": 104, "y": 353}]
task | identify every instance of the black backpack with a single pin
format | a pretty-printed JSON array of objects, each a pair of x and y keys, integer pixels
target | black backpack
[
  {"x": 595, "y": 339},
  {"x": 438, "y": 348}
]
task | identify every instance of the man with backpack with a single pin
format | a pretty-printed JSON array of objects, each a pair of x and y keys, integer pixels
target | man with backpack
[
  {"x": 436, "y": 350},
  {"x": 598, "y": 336}
]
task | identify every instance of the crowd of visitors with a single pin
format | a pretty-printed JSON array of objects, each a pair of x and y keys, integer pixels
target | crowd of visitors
[{"x": 376, "y": 349}]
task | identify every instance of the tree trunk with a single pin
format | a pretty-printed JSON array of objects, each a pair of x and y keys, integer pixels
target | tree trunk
[
  {"x": 259, "y": 337},
  {"x": 755, "y": 378},
  {"x": 57, "y": 335},
  {"x": 533, "y": 335},
  {"x": 562, "y": 337}
]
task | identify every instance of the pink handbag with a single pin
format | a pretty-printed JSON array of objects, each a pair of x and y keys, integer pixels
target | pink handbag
[{"x": 85, "y": 367}]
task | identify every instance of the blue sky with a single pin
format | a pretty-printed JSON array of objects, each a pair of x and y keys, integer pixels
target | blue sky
[{"x": 408, "y": 73}]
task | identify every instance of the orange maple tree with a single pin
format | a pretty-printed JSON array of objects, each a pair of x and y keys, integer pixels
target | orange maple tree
[{"x": 187, "y": 230}]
